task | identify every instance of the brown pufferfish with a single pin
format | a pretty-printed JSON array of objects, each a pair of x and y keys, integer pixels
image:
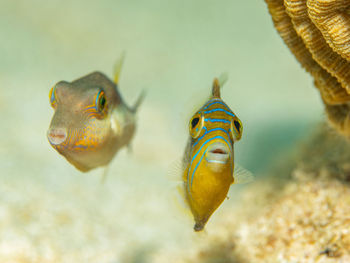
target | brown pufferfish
[{"x": 91, "y": 122}]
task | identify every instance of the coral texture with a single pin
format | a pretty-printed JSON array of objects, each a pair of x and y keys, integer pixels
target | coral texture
[
  {"x": 318, "y": 34},
  {"x": 308, "y": 223},
  {"x": 299, "y": 216}
]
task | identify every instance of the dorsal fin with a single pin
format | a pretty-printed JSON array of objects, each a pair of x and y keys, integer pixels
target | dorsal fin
[
  {"x": 118, "y": 67},
  {"x": 216, "y": 88},
  {"x": 217, "y": 84}
]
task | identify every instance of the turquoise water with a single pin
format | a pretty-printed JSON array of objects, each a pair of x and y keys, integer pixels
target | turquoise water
[{"x": 52, "y": 212}]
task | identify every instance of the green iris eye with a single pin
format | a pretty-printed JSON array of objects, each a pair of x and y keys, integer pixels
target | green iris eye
[{"x": 102, "y": 102}]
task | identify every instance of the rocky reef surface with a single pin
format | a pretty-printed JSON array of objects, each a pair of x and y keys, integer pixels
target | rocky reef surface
[{"x": 298, "y": 214}]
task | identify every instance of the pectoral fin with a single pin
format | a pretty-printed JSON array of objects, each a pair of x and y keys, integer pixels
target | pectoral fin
[{"x": 242, "y": 175}]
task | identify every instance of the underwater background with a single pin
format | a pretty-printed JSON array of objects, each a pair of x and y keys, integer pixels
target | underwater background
[{"x": 51, "y": 212}]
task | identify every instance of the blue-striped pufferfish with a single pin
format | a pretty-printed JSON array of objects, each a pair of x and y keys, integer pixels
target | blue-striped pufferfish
[
  {"x": 209, "y": 160},
  {"x": 91, "y": 120}
]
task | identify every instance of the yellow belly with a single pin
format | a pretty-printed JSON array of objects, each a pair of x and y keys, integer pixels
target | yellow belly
[{"x": 209, "y": 189}]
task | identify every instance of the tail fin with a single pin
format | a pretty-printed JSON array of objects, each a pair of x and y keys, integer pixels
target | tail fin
[
  {"x": 118, "y": 67},
  {"x": 138, "y": 101}
]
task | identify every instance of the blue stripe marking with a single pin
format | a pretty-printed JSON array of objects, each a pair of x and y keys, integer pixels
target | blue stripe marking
[
  {"x": 212, "y": 130},
  {"x": 194, "y": 157},
  {"x": 96, "y": 102},
  {"x": 53, "y": 95},
  {"x": 92, "y": 107},
  {"x": 214, "y": 110},
  {"x": 216, "y": 137},
  {"x": 200, "y": 138},
  {"x": 200, "y": 160},
  {"x": 211, "y": 102},
  {"x": 81, "y": 146},
  {"x": 217, "y": 120}
]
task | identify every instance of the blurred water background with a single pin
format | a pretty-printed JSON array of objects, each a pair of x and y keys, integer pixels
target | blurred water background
[{"x": 49, "y": 211}]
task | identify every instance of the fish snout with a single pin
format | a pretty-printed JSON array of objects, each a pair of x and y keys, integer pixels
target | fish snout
[
  {"x": 57, "y": 136},
  {"x": 217, "y": 153}
]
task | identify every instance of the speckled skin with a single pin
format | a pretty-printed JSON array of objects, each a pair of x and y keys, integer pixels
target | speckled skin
[{"x": 93, "y": 137}]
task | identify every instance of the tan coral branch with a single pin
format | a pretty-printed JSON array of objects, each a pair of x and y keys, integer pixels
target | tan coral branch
[
  {"x": 318, "y": 34},
  {"x": 331, "y": 90},
  {"x": 339, "y": 118},
  {"x": 333, "y": 21},
  {"x": 316, "y": 44}
]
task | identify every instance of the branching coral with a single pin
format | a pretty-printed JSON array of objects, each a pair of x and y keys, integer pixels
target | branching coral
[{"x": 318, "y": 34}]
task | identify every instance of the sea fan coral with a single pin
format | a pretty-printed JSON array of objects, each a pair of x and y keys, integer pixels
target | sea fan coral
[{"x": 318, "y": 34}]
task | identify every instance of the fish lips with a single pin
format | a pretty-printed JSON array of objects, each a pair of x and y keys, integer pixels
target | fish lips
[
  {"x": 217, "y": 155},
  {"x": 57, "y": 136}
]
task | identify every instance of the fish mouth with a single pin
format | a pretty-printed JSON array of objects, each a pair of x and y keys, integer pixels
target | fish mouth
[
  {"x": 57, "y": 136},
  {"x": 217, "y": 153}
]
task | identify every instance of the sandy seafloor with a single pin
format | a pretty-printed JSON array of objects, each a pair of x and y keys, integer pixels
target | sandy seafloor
[{"x": 49, "y": 211}]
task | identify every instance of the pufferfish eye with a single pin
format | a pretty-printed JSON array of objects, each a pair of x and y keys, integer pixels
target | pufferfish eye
[
  {"x": 236, "y": 129},
  {"x": 101, "y": 101},
  {"x": 52, "y": 96},
  {"x": 196, "y": 125}
]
